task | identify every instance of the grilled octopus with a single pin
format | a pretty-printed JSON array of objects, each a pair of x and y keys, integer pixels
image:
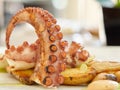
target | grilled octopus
[{"x": 48, "y": 55}]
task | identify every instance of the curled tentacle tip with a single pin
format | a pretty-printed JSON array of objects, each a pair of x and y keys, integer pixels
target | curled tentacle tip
[{"x": 25, "y": 44}]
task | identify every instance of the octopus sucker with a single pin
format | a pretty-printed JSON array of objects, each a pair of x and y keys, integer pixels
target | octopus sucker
[
  {"x": 47, "y": 81},
  {"x": 50, "y": 69},
  {"x": 52, "y": 38},
  {"x": 51, "y": 30},
  {"x": 59, "y": 35},
  {"x": 60, "y": 79},
  {"x": 53, "y": 48},
  {"x": 12, "y": 48},
  {"x": 45, "y": 52},
  {"x": 62, "y": 66},
  {"x": 57, "y": 27},
  {"x": 63, "y": 44},
  {"x": 53, "y": 20},
  {"x": 19, "y": 49},
  {"x": 63, "y": 55},
  {"x": 83, "y": 55},
  {"x": 53, "y": 58},
  {"x": 48, "y": 24}
]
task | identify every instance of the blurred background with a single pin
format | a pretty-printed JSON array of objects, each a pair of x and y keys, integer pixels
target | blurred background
[{"x": 81, "y": 20}]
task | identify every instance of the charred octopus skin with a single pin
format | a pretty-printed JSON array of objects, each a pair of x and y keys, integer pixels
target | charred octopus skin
[{"x": 50, "y": 59}]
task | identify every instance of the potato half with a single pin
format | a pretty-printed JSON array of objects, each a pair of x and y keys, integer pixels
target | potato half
[
  {"x": 22, "y": 75},
  {"x": 73, "y": 76}
]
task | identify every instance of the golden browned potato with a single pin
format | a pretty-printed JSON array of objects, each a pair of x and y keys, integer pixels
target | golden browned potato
[
  {"x": 22, "y": 75},
  {"x": 74, "y": 76},
  {"x": 103, "y": 85},
  {"x": 117, "y": 74},
  {"x": 105, "y": 66},
  {"x": 105, "y": 76}
]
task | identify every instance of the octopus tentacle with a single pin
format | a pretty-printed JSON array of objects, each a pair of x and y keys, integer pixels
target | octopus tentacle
[
  {"x": 22, "y": 57},
  {"x": 24, "y": 52},
  {"x": 76, "y": 55},
  {"x": 50, "y": 56}
]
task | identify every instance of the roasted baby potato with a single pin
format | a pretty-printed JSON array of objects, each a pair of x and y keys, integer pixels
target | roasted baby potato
[
  {"x": 74, "y": 76},
  {"x": 105, "y": 66},
  {"x": 23, "y": 76},
  {"x": 105, "y": 76},
  {"x": 117, "y": 74},
  {"x": 103, "y": 85}
]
